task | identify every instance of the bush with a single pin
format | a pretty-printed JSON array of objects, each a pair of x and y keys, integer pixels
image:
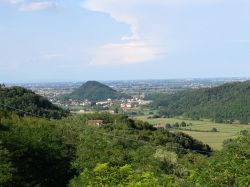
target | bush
[
  {"x": 214, "y": 130},
  {"x": 183, "y": 124}
]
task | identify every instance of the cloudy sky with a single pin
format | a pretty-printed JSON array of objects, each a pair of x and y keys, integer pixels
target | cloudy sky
[{"x": 65, "y": 40}]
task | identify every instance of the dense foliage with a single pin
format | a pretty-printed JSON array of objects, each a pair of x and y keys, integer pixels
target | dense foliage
[
  {"x": 33, "y": 152},
  {"x": 28, "y": 101},
  {"x": 5, "y": 167},
  {"x": 94, "y": 91},
  {"x": 48, "y": 153},
  {"x": 224, "y": 103},
  {"x": 106, "y": 175},
  {"x": 121, "y": 152},
  {"x": 230, "y": 167}
]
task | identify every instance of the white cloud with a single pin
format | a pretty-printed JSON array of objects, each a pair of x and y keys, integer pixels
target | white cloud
[
  {"x": 130, "y": 49},
  {"x": 119, "y": 14},
  {"x": 35, "y": 6},
  {"x": 136, "y": 48},
  {"x": 128, "y": 52},
  {"x": 13, "y": 2},
  {"x": 30, "y": 6}
]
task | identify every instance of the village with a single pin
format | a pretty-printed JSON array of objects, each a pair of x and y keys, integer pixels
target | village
[{"x": 109, "y": 105}]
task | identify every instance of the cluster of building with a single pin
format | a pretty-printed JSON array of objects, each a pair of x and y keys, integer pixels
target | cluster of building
[
  {"x": 133, "y": 103},
  {"x": 109, "y": 105},
  {"x": 72, "y": 102},
  {"x": 105, "y": 104}
]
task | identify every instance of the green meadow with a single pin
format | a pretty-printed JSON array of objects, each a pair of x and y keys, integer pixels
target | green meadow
[{"x": 214, "y": 139}]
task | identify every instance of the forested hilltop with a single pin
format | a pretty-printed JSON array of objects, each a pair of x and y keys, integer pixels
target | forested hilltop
[
  {"x": 26, "y": 100},
  {"x": 224, "y": 103},
  {"x": 121, "y": 152},
  {"x": 94, "y": 91}
]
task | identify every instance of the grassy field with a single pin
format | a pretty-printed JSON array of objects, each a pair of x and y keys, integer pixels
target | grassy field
[{"x": 214, "y": 139}]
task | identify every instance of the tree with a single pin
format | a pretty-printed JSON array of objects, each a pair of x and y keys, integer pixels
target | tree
[
  {"x": 39, "y": 155},
  {"x": 26, "y": 100},
  {"x": 214, "y": 130},
  {"x": 168, "y": 126},
  {"x": 183, "y": 124},
  {"x": 6, "y": 169},
  {"x": 230, "y": 167},
  {"x": 106, "y": 175},
  {"x": 222, "y": 103}
]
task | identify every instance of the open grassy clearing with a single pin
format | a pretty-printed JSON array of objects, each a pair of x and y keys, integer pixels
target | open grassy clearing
[{"x": 214, "y": 139}]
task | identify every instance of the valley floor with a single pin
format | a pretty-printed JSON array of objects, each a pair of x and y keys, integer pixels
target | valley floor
[{"x": 213, "y": 139}]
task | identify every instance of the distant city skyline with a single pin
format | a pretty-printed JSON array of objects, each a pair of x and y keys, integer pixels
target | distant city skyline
[{"x": 59, "y": 41}]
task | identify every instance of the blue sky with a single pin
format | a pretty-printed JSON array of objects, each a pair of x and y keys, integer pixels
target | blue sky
[{"x": 59, "y": 40}]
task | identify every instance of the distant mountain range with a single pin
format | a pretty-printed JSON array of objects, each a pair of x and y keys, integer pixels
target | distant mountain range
[
  {"x": 224, "y": 103},
  {"x": 95, "y": 91},
  {"x": 26, "y": 100}
]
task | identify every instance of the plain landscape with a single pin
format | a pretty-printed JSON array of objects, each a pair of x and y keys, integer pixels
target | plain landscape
[
  {"x": 125, "y": 93},
  {"x": 92, "y": 134}
]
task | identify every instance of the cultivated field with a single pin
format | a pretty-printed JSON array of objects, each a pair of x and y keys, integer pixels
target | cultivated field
[{"x": 214, "y": 139}]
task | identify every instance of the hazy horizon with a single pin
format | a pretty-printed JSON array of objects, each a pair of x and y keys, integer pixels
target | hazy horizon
[{"x": 121, "y": 80}]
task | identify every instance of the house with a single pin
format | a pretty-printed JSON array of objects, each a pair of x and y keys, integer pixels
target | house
[
  {"x": 160, "y": 126},
  {"x": 129, "y": 105},
  {"x": 123, "y": 105},
  {"x": 95, "y": 122},
  {"x": 126, "y": 105}
]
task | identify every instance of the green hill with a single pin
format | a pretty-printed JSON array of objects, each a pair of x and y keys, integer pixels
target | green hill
[
  {"x": 37, "y": 152},
  {"x": 224, "y": 103},
  {"x": 26, "y": 100},
  {"x": 95, "y": 91},
  {"x": 121, "y": 152}
]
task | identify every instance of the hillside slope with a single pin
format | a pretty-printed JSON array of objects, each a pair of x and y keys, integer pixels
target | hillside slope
[
  {"x": 37, "y": 152},
  {"x": 26, "y": 100},
  {"x": 95, "y": 91},
  {"x": 223, "y": 103}
]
